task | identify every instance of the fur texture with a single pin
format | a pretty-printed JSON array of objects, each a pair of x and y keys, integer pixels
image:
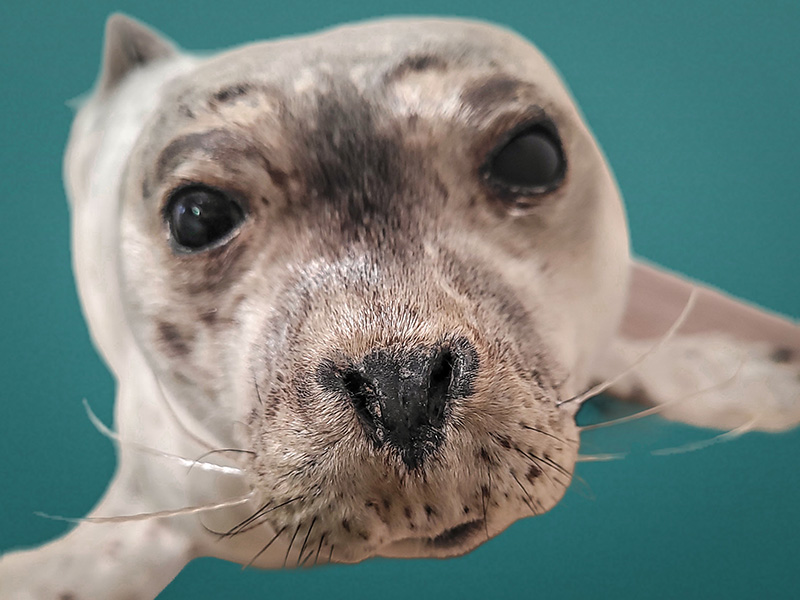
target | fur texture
[{"x": 358, "y": 157}]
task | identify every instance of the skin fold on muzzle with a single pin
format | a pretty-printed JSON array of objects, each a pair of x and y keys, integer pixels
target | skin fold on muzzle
[{"x": 360, "y": 282}]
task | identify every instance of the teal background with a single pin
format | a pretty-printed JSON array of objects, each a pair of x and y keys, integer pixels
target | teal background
[{"x": 696, "y": 105}]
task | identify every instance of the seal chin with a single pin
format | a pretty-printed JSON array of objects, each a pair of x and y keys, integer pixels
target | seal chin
[
  {"x": 456, "y": 537},
  {"x": 451, "y": 542}
]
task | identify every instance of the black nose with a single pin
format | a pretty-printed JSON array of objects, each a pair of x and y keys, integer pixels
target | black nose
[{"x": 403, "y": 398}]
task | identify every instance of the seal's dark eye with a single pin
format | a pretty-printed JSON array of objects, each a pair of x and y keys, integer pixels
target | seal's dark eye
[
  {"x": 531, "y": 162},
  {"x": 198, "y": 216}
]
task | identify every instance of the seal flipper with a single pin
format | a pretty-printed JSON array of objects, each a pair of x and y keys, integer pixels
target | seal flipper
[
  {"x": 747, "y": 359},
  {"x": 129, "y": 45}
]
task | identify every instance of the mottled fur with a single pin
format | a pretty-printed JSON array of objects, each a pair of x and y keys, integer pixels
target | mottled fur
[{"x": 358, "y": 156}]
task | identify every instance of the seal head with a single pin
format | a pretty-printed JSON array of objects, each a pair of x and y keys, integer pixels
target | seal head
[{"x": 376, "y": 259}]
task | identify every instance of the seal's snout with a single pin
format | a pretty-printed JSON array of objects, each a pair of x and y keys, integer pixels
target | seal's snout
[{"x": 403, "y": 397}]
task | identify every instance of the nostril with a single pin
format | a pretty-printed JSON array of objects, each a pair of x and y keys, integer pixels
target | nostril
[
  {"x": 439, "y": 383},
  {"x": 363, "y": 395}
]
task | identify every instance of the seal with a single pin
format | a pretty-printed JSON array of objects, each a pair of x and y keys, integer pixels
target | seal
[{"x": 361, "y": 282}]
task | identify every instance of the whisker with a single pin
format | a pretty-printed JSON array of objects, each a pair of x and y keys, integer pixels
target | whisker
[
  {"x": 484, "y": 494},
  {"x": 717, "y": 439},
  {"x": 305, "y": 541},
  {"x": 236, "y": 529},
  {"x": 601, "y": 387},
  {"x": 104, "y": 430},
  {"x": 161, "y": 514},
  {"x": 549, "y": 462},
  {"x": 264, "y": 549},
  {"x": 249, "y": 524},
  {"x": 220, "y": 450},
  {"x": 547, "y": 433},
  {"x": 529, "y": 501},
  {"x": 534, "y": 461},
  {"x": 319, "y": 548},
  {"x": 305, "y": 560},
  {"x": 601, "y": 457},
  {"x": 330, "y": 554},
  {"x": 291, "y": 543},
  {"x": 661, "y": 407},
  {"x": 198, "y": 460},
  {"x": 255, "y": 382}
]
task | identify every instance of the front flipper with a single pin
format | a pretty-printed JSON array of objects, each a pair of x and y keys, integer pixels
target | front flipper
[
  {"x": 132, "y": 560},
  {"x": 730, "y": 365}
]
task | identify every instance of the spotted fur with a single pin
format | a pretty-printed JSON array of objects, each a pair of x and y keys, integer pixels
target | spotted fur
[{"x": 358, "y": 157}]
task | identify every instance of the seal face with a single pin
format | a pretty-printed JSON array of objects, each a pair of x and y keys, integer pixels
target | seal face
[
  {"x": 379, "y": 267},
  {"x": 350, "y": 253}
]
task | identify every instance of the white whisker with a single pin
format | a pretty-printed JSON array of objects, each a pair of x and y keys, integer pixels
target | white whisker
[
  {"x": 663, "y": 406},
  {"x": 601, "y": 387},
  {"x": 717, "y": 439},
  {"x": 161, "y": 514},
  {"x": 601, "y": 457},
  {"x": 189, "y": 463}
]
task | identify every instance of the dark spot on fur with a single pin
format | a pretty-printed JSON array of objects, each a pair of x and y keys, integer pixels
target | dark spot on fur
[
  {"x": 204, "y": 142},
  {"x": 429, "y": 511},
  {"x": 456, "y": 535},
  {"x": 364, "y": 535},
  {"x": 537, "y": 377},
  {"x": 186, "y": 111},
  {"x": 497, "y": 89},
  {"x": 503, "y": 441},
  {"x": 67, "y": 596},
  {"x": 782, "y": 355},
  {"x": 172, "y": 338},
  {"x": 466, "y": 510},
  {"x": 214, "y": 268},
  {"x": 147, "y": 188},
  {"x": 269, "y": 411},
  {"x": 346, "y": 525},
  {"x": 356, "y": 176},
  {"x": 387, "y": 503},
  {"x": 415, "y": 64},
  {"x": 440, "y": 187},
  {"x": 219, "y": 145},
  {"x": 231, "y": 92},
  {"x": 533, "y": 473},
  {"x": 407, "y": 512},
  {"x": 209, "y": 317},
  {"x": 279, "y": 177}
]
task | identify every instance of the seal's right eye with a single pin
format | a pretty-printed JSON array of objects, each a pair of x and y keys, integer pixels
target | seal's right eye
[{"x": 199, "y": 217}]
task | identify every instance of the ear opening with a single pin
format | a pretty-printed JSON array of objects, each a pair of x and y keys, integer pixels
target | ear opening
[{"x": 129, "y": 45}]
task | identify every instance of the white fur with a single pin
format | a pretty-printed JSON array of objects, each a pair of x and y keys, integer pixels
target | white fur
[{"x": 136, "y": 559}]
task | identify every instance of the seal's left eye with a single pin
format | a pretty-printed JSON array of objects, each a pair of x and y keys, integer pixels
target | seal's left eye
[
  {"x": 529, "y": 163},
  {"x": 200, "y": 216}
]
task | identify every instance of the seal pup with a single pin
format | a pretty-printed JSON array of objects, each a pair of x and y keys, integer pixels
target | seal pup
[{"x": 374, "y": 271}]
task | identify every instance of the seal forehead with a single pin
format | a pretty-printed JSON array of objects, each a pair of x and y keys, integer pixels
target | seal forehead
[
  {"x": 370, "y": 57},
  {"x": 372, "y": 81}
]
